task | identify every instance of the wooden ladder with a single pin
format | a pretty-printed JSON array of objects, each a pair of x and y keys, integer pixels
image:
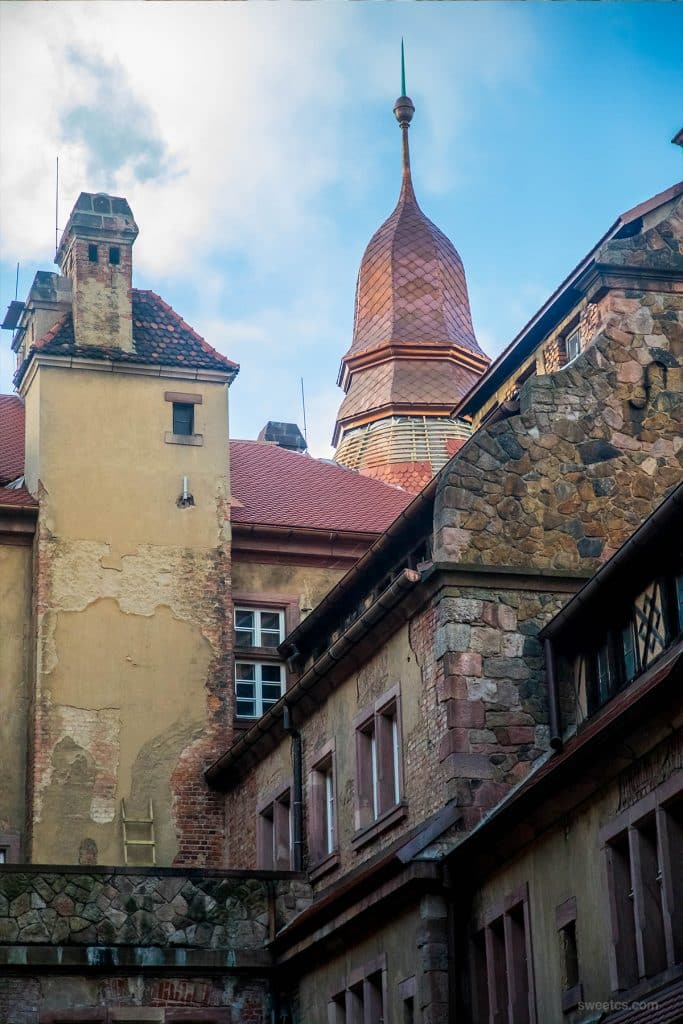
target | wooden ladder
[{"x": 138, "y": 823}]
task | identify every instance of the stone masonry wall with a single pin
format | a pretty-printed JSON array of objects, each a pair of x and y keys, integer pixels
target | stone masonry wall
[
  {"x": 73, "y": 939},
  {"x": 596, "y": 446}
]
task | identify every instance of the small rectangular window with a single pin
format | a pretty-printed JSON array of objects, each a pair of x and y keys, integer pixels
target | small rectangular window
[
  {"x": 501, "y": 971},
  {"x": 275, "y": 834},
  {"x": 114, "y": 255},
  {"x": 92, "y": 253},
  {"x": 378, "y": 763},
  {"x": 183, "y": 419},
  {"x": 573, "y": 344},
  {"x": 3, "y": 855},
  {"x": 259, "y": 627},
  {"x": 323, "y": 808}
]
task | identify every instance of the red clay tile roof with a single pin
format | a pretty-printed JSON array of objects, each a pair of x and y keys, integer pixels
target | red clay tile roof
[
  {"x": 17, "y": 498},
  {"x": 11, "y": 438},
  {"x": 160, "y": 336},
  {"x": 276, "y": 487}
]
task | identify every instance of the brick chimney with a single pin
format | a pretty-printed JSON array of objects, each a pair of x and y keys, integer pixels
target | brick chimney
[{"x": 96, "y": 254}]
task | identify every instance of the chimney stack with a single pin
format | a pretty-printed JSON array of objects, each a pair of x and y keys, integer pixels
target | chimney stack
[{"x": 96, "y": 254}]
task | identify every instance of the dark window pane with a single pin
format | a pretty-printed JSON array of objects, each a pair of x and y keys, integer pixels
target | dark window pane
[
  {"x": 604, "y": 674},
  {"x": 271, "y": 691},
  {"x": 244, "y": 670},
  {"x": 114, "y": 255},
  {"x": 246, "y": 709},
  {"x": 183, "y": 418},
  {"x": 629, "y": 647},
  {"x": 270, "y": 621},
  {"x": 245, "y": 690},
  {"x": 271, "y": 673},
  {"x": 92, "y": 253}
]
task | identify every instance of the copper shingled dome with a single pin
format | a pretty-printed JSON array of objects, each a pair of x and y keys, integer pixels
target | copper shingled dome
[{"x": 411, "y": 285}]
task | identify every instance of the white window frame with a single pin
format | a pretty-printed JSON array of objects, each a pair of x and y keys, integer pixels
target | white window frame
[
  {"x": 258, "y": 630},
  {"x": 574, "y": 337},
  {"x": 258, "y": 683}
]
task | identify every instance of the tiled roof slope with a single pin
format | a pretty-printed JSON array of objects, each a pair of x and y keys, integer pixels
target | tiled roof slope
[
  {"x": 11, "y": 438},
  {"x": 276, "y": 487},
  {"x": 160, "y": 336},
  {"x": 16, "y": 498},
  {"x": 406, "y": 383},
  {"x": 411, "y": 284}
]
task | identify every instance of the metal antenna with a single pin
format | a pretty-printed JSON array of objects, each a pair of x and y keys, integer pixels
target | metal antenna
[
  {"x": 16, "y": 284},
  {"x": 57, "y": 208},
  {"x": 403, "y": 69},
  {"x": 303, "y": 406}
]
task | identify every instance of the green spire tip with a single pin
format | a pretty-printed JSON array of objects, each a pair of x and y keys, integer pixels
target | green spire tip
[{"x": 403, "y": 70}]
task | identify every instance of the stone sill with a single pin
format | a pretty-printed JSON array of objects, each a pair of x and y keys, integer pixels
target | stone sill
[
  {"x": 194, "y": 439},
  {"x": 322, "y": 867},
  {"x": 382, "y": 824}
]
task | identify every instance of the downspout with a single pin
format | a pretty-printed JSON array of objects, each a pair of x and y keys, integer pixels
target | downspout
[
  {"x": 297, "y": 787},
  {"x": 553, "y": 696}
]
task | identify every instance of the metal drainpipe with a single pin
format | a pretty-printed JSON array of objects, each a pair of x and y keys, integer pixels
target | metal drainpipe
[
  {"x": 553, "y": 696},
  {"x": 297, "y": 786}
]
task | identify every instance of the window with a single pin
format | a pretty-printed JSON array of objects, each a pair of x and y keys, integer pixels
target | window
[
  {"x": 501, "y": 972},
  {"x": 572, "y": 991},
  {"x": 114, "y": 255},
  {"x": 10, "y": 843},
  {"x": 183, "y": 419},
  {"x": 92, "y": 253},
  {"x": 274, "y": 843},
  {"x": 634, "y": 636},
  {"x": 378, "y": 761},
  {"x": 364, "y": 1000},
  {"x": 407, "y": 992},
  {"x": 259, "y": 678},
  {"x": 644, "y": 851},
  {"x": 259, "y": 627},
  {"x": 323, "y": 812},
  {"x": 572, "y": 344},
  {"x": 258, "y": 685}
]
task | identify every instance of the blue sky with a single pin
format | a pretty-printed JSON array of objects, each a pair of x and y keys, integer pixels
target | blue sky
[{"x": 257, "y": 147}]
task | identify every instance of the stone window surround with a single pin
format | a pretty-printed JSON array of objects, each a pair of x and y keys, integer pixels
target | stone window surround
[
  {"x": 185, "y": 399},
  {"x": 501, "y": 911},
  {"x": 565, "y": 915},
  {"x": 386, "y": 705},
  {"x": 10, "y": 842},
  {"x": 274, "y": 832},
  {"x": 322, "y": 861},
  {"x": 407, "y": 992},
  {"x": 625, "y": 825},
  {"x": 339, "y": 1008},
  {"x": 289, "y": 604}
]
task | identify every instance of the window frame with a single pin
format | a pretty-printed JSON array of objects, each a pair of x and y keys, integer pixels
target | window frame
[
  {"x": 625, "y": 865},
  {"x": 357, "y": 1001},
  {"x": 288, "y": 607},
  {"x": 274, "y": 846},
  {"x": 379, "y": 792},
  {"x": 565, "y": 921},
  {"x": 10, "y": 844},
  {"x": 323, "y": 834},
  {"x": 499, "y": 950},
  {"x": 258, "y": 630},
  {"x": 262, "y": 705},
  {"x": 572, "y": 333}
]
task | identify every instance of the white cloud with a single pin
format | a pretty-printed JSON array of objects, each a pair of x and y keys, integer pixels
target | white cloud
[{"x": 240, "y": 135}]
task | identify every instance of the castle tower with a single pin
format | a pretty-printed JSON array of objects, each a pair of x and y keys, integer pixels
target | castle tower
[
  {"x": 126, "y": 413},
  {"x": 414, "y": 353}
]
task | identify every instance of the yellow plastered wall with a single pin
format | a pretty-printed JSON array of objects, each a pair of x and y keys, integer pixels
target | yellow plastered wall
[
  {"x": 15, "y": 621},
  {"x": 132, "y": 600}
]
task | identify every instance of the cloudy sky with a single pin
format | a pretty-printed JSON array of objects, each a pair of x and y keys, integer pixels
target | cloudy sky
[{"x": 256, "y": 145}]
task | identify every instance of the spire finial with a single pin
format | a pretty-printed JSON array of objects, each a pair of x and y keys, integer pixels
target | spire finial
[{"x": 404, "y": 108}]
